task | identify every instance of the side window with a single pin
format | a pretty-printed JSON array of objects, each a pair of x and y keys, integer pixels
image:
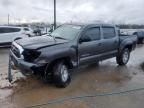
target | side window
[
  {"x": 1, "y": 30},
  {"x": 108, "y": 32},
  {"x": 8, "y": 30},
  {"x": 12, "y": 30},
  {"x": 92, "y": 34}
]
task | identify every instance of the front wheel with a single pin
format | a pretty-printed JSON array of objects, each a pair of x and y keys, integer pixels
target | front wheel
[
  {"x": 123, "y": 57},
  {"x": 61, "y": 75}
]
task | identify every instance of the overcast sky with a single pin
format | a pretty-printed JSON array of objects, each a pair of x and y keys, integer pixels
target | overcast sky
[{"x": 116, "y": 11}]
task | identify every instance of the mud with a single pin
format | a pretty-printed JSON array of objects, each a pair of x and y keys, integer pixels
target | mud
[{"x": 93, "y": 79}]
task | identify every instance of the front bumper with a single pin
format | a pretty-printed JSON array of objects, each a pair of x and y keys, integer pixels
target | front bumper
[{"x": 25, "y": 67}]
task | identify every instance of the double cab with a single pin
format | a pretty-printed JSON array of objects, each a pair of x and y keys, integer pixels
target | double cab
[{"x": 68, "y": 47}]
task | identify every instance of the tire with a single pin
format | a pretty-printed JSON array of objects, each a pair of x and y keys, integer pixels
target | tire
[
  {"x": 61, "y": 75},
  {"x": 123, "y": 57},
  {"x": 47, "y": 77},
  {"x": 141, "y": 41},
  {"x": 94, "y": 64}
]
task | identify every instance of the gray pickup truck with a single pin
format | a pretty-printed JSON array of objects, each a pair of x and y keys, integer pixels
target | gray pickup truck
[{"x": 68, "y": 47}]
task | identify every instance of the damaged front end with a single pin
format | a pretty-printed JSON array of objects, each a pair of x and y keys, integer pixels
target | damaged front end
[
  {"x": 30, "y": 55},
  {"x": 23, "y": 60}
]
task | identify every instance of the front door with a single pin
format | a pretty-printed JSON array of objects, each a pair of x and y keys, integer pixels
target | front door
[{"x": 89, "y": 45}]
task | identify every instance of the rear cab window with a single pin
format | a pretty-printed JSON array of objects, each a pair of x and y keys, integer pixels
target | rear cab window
[{"x": 108, "y": 32}]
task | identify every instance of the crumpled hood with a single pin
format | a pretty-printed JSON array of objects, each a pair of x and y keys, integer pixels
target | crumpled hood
[{"x": 39, "y": 42}]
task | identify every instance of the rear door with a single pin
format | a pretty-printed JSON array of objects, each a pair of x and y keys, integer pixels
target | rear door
[
  {"x": 90, "y": 49},
  {"x": 4, "y": 35},
  {"x": 8, "y": 34},
  {"x": 110, "y": 41},
  {"x": 16, "y": 33}
]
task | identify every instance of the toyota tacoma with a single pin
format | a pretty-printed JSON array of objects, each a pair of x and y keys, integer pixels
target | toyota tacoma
[{"x": 69, "y": 47}]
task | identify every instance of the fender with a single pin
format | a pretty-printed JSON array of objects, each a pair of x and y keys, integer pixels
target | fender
[
  {"x": 50, "y": 55},
  {"x": 125, "y": 43}
]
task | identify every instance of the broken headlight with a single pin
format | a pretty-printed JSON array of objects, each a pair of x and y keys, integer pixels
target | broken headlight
[{"x": 30, "y": 55}]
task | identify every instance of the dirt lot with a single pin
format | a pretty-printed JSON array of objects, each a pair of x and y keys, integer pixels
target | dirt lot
[{"x": 106, "y": 78}]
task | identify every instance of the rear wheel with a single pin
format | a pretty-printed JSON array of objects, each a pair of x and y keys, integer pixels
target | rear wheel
[
  {"x": 141, "y": 41},
  {"x": 123, "y": 57},
  {"x": 61, "y": 75}
]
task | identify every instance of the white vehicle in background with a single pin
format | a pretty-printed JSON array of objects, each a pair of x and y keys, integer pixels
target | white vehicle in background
[
  {"x": 10, "y": 33},
  {"x": 28, "y": 31}
]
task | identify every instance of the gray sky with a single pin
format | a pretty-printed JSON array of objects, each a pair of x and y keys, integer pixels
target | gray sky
[{"x": 116, "y": 11}]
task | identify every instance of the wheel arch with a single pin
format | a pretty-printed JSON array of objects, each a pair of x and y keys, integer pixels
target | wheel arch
[
  {"x": 17, "y": 38},
  {"x": 130, "y": 47},
  {"x": 67, "y": 61}
]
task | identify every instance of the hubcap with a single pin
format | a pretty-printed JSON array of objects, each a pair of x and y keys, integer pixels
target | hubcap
[
  {"x": 125, "y": 57},
  {"x": 64, "y": 73}
]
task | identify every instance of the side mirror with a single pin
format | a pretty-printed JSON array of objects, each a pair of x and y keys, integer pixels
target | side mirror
[{"x": 84, "y": 39}]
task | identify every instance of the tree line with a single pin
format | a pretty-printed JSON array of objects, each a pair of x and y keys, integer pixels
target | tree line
[{"x": 131, "y": 26}]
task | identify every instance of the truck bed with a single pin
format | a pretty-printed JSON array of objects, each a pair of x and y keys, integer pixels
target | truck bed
[{"x": 128, "y": 37}]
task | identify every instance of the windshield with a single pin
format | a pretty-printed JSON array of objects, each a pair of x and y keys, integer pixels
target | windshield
[{"x": 68, "y": 32}]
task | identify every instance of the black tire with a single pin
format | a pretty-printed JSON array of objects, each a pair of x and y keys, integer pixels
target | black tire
[
  {"x": 141, "y": 41},
  {"x": 123, "y": 57},
  {"x": 47, "y": 77},
  {"x": 61, "y": 75},
  {"x": 94, "y": 64}
]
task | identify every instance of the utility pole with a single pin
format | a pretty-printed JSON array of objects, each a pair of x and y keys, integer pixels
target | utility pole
[
  {"x": 8, "y": 19},
  {"x": 55, "y": 14}
]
